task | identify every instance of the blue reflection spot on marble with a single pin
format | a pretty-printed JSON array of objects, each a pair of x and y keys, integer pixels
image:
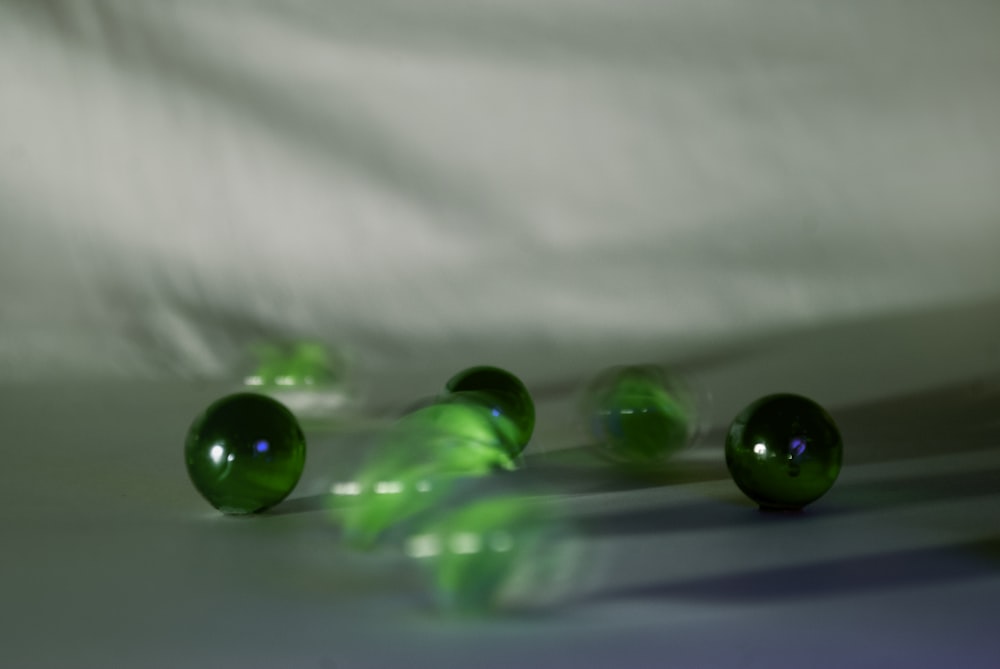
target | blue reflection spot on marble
[{"x": 261, "y": 446}]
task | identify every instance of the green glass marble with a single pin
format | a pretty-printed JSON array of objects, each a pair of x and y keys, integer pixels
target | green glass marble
[
  {"x": 245, "y": 453},
  {"x": 415, "y": 464},
  {"x": 784, "y": 451},
  {"x": 639, "y": 414},
  {"x": 502, "y": 393},
  {"x": 302, "y": 364},
  {"x": 492, "y": 554}
]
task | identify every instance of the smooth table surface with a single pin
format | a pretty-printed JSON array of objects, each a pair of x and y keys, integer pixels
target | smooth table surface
[{"x": 111, "y": 558}]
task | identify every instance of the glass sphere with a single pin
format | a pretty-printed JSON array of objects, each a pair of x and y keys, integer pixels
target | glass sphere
[
  {"x": 245, "y": 453},
  {"x": 301, "y": 364},
  {"x": 494, "y": 553},
  {"x": 640, "y": 415},
  {"x": 784, "y": 451},
  {"x": 416, "y": 463},
  {"x": 502, "y": 393},
  {"x": 310, "y": 378}
]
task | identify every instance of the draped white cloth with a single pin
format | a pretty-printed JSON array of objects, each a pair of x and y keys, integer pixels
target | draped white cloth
[{"x": 549, "y": 185}]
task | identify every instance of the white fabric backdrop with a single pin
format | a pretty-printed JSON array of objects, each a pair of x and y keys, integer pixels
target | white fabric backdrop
[{"x": 538, "y": 184}]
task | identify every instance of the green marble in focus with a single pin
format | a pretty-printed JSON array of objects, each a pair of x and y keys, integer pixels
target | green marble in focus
[
  {"x": 245, "y": 453},
  {"x": 502, "y": 393},
  {"x": 416, "y": 462},
  {"x": 784, "y": 451},
  {"x": 639, "y": 415}
]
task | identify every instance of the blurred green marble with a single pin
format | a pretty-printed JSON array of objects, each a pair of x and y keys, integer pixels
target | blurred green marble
[
  {"x": 639, "y": 415},
  {"x": 415, "y": 464},
  {"x": 297, "y": 365},
  {"x": 499, "y": 553}
]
